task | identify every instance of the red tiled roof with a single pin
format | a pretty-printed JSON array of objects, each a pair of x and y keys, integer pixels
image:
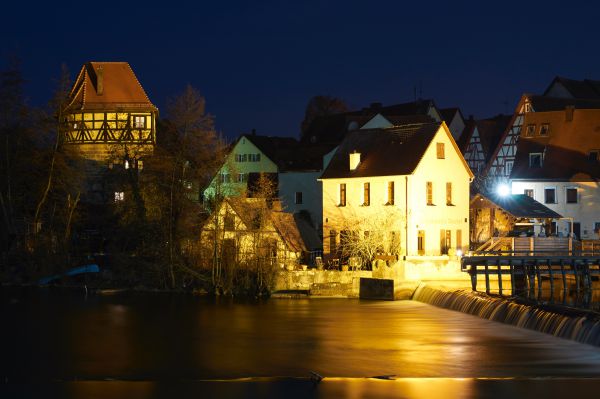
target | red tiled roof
[{"x": 120, "y": 88}]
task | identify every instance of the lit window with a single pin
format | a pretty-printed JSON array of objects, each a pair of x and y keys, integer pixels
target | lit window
[
  {"x": 139, "y": 122},
  {"x": 530, "y": 131},
  {"x": 448, "y": 193},
  {"x": 126, "y": 164},
  {"x": 140, "y": 164},
  {"x": 429, "y": 188},
  {"x": 440, "y": 151},
  {"x": 342, "y": 194},
  {"x": 390, "y": 193},
  {"x": 527, "y": 107},
  {"x": 550, "y": 195},
  {"x": 298, "y": 199},
  {"x": 119, "y": 196},
  {"x": 571, "y": 195},
  {"x": 544, "y": 129},
  {"x": 535, "y": 159},
  {"x": 367, "y": 194},
  {"x": 421, "y": 242}
]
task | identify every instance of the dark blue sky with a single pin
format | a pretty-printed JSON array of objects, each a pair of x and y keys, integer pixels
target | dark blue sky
[{"x": 258, "y": 62}]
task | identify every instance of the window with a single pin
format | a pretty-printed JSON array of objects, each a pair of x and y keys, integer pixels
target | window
[
  {"x": 528, "y": 192},
  {"x": 298, "y": 199},
  {"x": 229, "y": 221},
  {"x": 597, "y": 227},
  {"x": 448, "y": 193},
  {"x": 527, "y": 107},
  {"x": 139, "y": 122},
  {"x": 342, "y": 194},
  {"x": 244, "y": 158},
  {"x": 242, "y": 177},
  {"x": 571, "y": 195},
  {"x": 119, "y": 196},
  {"x": 367, "y": 194},
  {"x": 593, "y": 156},
  {"x": 238, "y": 158},
  {"x": 140, "y": 164},
  {"x": 535, "y": 159},
  {"x": 459, "y": 240},
  {"x": 429, "y": 193},
  {"x": 550, "y": 195},
  {"x": 391, "y": 193},
  {"x": 445, "y": 241},
  {"x": 544, "y": 129},
  {"x": 508, "y": 167},
  {"x": 224, "y": 177},
  {"x": 530, "y": 131},
  {"x": 252, "y": 157},
  {"x": 440, "y": 151},
  {"x": 332, "y": 241},
  {"x": 421, "y": 242}
]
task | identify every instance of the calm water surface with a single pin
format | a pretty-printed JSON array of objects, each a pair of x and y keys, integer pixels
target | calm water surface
[{"x": 161, "y": 345}]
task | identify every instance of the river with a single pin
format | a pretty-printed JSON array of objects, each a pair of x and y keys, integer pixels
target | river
[{"x": 67, "y": 344}]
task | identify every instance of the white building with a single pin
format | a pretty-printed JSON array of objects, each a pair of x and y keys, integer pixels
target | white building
[
  {"x": 557, "y": 164},
  {"x": 406, "y": 185}
]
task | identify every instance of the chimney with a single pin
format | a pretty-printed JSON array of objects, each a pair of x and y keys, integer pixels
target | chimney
[
  {"x": 100, "y": 80},
  {"x": 354, "y": 160},
  {"x": 569, "y": 110}
]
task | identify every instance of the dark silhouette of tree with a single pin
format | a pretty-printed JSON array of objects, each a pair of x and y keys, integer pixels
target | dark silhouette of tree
[{"x": 321, "y": 106}]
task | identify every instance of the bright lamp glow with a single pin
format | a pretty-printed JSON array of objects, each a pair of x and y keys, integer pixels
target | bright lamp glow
[
  {"x": 459, "y": 252},
  {"x": 503, "y": 190}
]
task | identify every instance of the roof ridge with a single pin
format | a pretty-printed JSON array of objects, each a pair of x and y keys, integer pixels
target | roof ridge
[{"x": 138, "y": 82}]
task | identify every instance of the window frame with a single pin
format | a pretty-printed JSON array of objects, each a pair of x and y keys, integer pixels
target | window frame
[
  {"x": 298, "y": 198},
  {"x": 449, "y": 194},
  {"x": 530, "y": 130},
  {"x": 137, "y": 118},
  {"x": 366, "y": 194},
  {"x": 429, "y": 193},
  {"x": 531, "y": 157},
  {"x": 546, "y": 189},
  {"x": 342, "y": 194},
  {"x": 440, "y": 150},
  {"x": 526, "y": 191},
  {"x": 391, "y": 193},
  {"x": 544, "y": 130},
  {"x": 567, "y": 189}
]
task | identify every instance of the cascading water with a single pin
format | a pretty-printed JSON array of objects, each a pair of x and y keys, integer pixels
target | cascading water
[{"x": 581, "y": 326}]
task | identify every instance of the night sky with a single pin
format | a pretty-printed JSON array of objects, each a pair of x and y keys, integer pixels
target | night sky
[{"x": 258, "y": 62}]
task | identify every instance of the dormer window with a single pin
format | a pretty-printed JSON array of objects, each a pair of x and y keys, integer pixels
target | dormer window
[
  {"x": 535, "y": 159},
  {"x": 530, "y": 130},
  {"x": 544, "y": 129},
  {"x": 527, "y": 107}
]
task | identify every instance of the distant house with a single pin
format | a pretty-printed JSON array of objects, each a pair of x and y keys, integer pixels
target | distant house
[
  {"x": 333, "y": 128},
  {"x": 455, "y": 121},
  {"x": 560, "y": 95},
  {"x": 292, "y": 167},
  {"x": 479, "y": 139},
  {"x": 408, "y": 186},
  {"x": 558, "y": 164},
  {"x": 251, "y": 229}
]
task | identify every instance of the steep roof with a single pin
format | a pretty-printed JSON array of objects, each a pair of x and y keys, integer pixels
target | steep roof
[
  {"x": 384, "y": 152},
  {"x": 449, "y": 113},
  {"x": 107, "y": 85},
  {"x": 585, "y": 88},
  {"x": 543, "y": 103},
  {"x": 290, "y": 155},
  {"x": 491, "y": 131},
  {"x": 465, "y": 137},
  {"x": 517, "y": 205}
]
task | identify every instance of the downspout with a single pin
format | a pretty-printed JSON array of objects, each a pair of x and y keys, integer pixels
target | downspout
[{"x": 406, "y": 216}]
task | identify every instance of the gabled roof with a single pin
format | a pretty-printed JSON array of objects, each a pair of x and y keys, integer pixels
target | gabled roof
[
  {"x": 290, "y": 155},
  {"x": 491, "y": 131},
  {"x": 585, "y": 88},
  {"x": 517, "y": 205},
  {"x": 384, "y": 152},
  {"x": 120, "y": 88},
  {"x": 448, "y": 114},
  {"x": 543, "y": 103},
  {"x": 466, "y": 135},
  {"x": 333, "y": 128}
]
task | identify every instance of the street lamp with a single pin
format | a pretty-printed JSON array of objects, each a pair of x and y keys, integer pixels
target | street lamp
[{"x": 503, "y": 190}]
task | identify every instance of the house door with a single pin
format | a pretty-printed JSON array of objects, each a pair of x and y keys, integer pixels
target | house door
[{"x": 445, "y": 241}]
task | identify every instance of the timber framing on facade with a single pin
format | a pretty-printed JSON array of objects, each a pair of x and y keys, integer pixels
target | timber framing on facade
[{"x": 108, "y": 106}]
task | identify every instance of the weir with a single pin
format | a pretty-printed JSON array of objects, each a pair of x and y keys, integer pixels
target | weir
[
  {"x": 527, "y": 272},
  {"x": 579, "y": 325}
]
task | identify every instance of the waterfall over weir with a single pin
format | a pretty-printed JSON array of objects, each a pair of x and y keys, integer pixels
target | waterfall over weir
[{"x": 581, "y": 326}]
